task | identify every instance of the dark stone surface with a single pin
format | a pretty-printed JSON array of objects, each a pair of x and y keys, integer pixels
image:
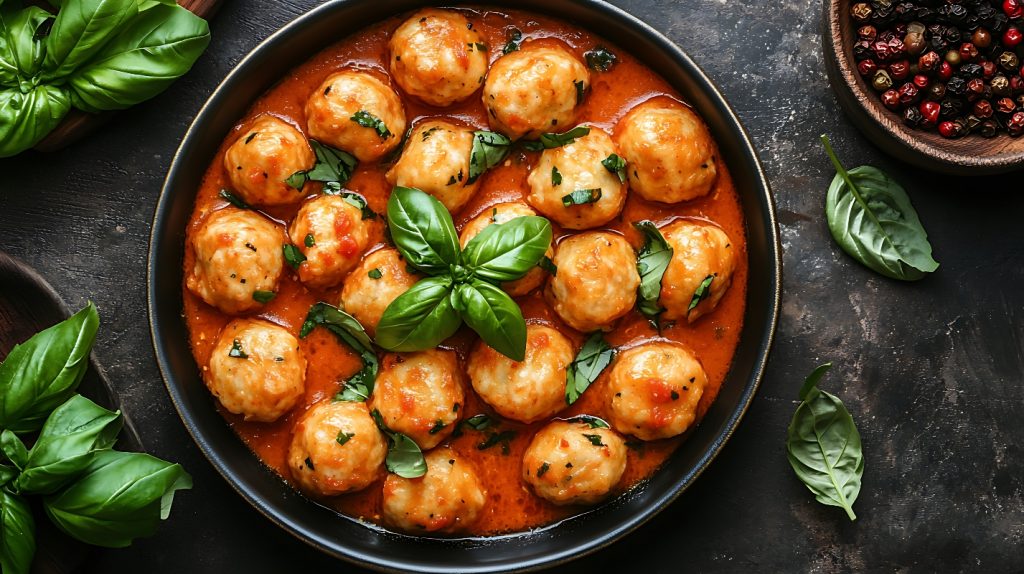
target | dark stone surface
[{"x": 931, "y": 371}]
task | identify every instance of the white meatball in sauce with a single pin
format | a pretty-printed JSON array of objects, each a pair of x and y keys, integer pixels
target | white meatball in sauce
[
  {"x": 573, "y": 463},
  {"x": 596, "y": 280},
  {"x": 435, "y": 160},
  {"x": 262, "y": 159},
  {"x": 669, "y": 150},
  {"x": 336, "y": 448},
  {"x": 503, "y": 213},
  {"x": 448, "y": 498},
  {"x": 525, "y": 391},
  {"x": 535, "y": 90},
  {"x": 332, "y": 235},
  {"x": 256, "y": 370},
  {"x": 377, "y": 281},
  {"x": 577, "y": 167},
  {"x": 655, "y": 389},
  {"x": 238, "y": 260},
  {"x": 420, "y": 394},
  {"x": 356, "y": 112},
  {"x": 703, "y": 255},
  {"x": 437, "y": 57}
]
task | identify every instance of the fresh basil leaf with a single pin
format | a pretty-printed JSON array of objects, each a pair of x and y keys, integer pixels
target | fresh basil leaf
[
  {"x": 404, "y": 456},
  {"x": 119, "y": 497},
  {"x": 595, "y": 439},
  {"x": 489, "y": 150},
  {"x": 23, "y": 43},
  {"x": 17, "y": 534},
  {"x": 494, "y": 316},
  {"x": 44, "y": 371},
  {"x": 368, "y": 120},
  {"x": 556, "y": 176},
  {"x": 600, "y": 59},
  {"x": 581, "y": 197},
  {"x": 871, "y": 218},
  {"x": 374, "y": 273},
  {"x": 13, "y": 449},
  {"x": 651, "y": 263},
  {"x": 422, "y": 230},
  {"x": 26, "y": 118},
  {"x": 233, "y": 199},
  {"x": 10, "y": 73},
  {"x": 263, "y": 297},
  {"x": 552, "y": 141},
  {"x": 347, "y": 328},
  {"x": 332, "y": 166},
  {"x": 145, "y": 57},
  {"x": 293, "y": 256},
  {"x": 353, "y": 199},
  {"x": 615, "y": 164},
  {"x": 72, "y": 434},
  {"x": 420, "y": 318},
  {"x": 236, "y": 351},
  {"x": 507, "y": 251},
  {"x": 548, "y": 265},
  {"x": 476, "y": 422},
  {"x": 344, "y": 437},
  {"x": 504, "y": 438},
  {"x": 514, "y": 38},
  {"x": 81, "y": 31},
  {"x": 589, "y": 363},
  {"x": 824, "y": 447},
  {"x": 309, "y": 241},
  {"x": 7, "y": 474},
  {"x": 594, "y": 422},
  {"x": 702, "y": 292}
]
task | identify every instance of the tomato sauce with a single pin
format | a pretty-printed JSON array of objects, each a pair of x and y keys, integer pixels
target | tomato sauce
[{"x": 511, "y": 506}]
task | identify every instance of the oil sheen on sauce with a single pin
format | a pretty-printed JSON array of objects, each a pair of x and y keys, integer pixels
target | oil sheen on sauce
[{"x": 511, "y": 506}]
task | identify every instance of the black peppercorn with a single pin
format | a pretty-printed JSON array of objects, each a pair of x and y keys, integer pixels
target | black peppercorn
[
  {"x": 968, "y": 71},
  {"x": 937, "y": 91},
  {"x": 956, "y": 86},
  {"x": 988, "y": 129},
  {"x": 951, "y": 107},
  {"x": 912, "y": 116}
]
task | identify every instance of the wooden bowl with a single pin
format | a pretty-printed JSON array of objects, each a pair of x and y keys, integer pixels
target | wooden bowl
[
  {"x": 970, "y": 155},
  {"x": 78, "y": 124}
]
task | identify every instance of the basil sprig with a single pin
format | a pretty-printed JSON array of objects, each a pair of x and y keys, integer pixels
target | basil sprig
[
  {"x": 552, "y": 141},
  {"x": 404, "y": 456},
  {"x": 870, "y": 216},
  {"x": 824, "y": 447},
  {"x": 589, "y": 363},
  {"x": 462, "y": 284},
  {"x": 333, "y": 166},
  {"x": 17, "y": 534},
  {"x": 368, "y": 120},
  {"x": 651, "y": 263},
  {"x": 359, "y": 386},
  {"x": 489, "y": 149}
]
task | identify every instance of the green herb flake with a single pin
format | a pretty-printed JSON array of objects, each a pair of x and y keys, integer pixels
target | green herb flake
[
  {"x": 581, "y": 197},
  {"x": 236, "y": 350},
  {"x": 651, "y": 263},
  {"x": 595, "y": 439},
  {"x": 293, "y": 256},
  {"x": 251, "y": 136},
  {"x": 310, "y": 241},
  {"x": 438, "y": 427},
  {"x": 600, "y": 59},
  {"x": 589, "y": 363},
  {"x": 333, "y": 166},
  {"x": 590, "y": 420},
  {"x": 264, "y": 297},
  {"x": 548, "y": 265},
  {"x": 502, "y": 438},
  {"x": 480, "y": 47},
  {"x": 353, "y": 199},
  {"x": 702, "y": 292},
  {"x": 552, "y": 141},
  {"x": 514, "y": 38},
  {"x": 427, "y": 133},
  {"x": 489, "y": 150},
  {"x": 375, "y": 273},
  {"x": 615, "y": 164},
  {"x": 556, "y": 176},
  {"x": 233, "y": 199},
  {"x": 344, "y": 437},
  {"x": 581, "y": 91},
  {"x": 368, "y": 120},
  {"x": 543, "y": 469}
]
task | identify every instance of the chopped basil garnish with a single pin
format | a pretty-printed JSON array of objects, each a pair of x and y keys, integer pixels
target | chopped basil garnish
[
  {"x": 480, "y": 47},
  {"x": 236, "y": 350},
  {"x": 582, "y": 197},
  {"x": 351, "y": 198},
  {"x": 233, "y": 199},
  {"x": 503, "y": 438},
  {"x": 556, "y": 176},
  {"x": 515, "y": 38},
  {"x": 595, "y": 439},
  {"x": 594, "y": 422},
  {"x": 292, "y": 256},
  {"x": 264, "y": 297},
  {"x": 581, "y": 91},
  {"x": 543, "y": 469},
  {"x": 548, "y": 265},
  {"x": 600, "y": 59},
  {"x": 703, "y": 292},
  {"x": 249, "y": 139},
  {"x": 475, "y": 422},
  {"x": 344, "y": 437},
  {"x": 368, "y": 120},
  {"x": 404, "y": 456},
  {"x": 489, "y": 149},
  {"x": 427, "y": 133},
  {"x": 310, "y": 241},
  {"x": 615, "y": 164},
  {"x": 345, "y": 327},
  {"x": 592, "y": 359},
  {"x": 332, "y": 165},
  {"x": 375, "y": 273},
  {"x": 651, "y": 263},
  {"x": 552, "y": 141},
  {"x": 438, "y": 426}
]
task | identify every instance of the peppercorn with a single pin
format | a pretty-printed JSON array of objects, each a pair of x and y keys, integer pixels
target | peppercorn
[
  {"x": 1015, "y": 125},
  {"x": 929, "y": 113},
  {"x": 1013, "y": 9},
  {"x": 928, "y": 61},
  {"x": 861, "y": 12},
  {"x": 988, "y": 129},
  {"x": 971, "y": 123},
  {"x": 945, "y": 71},
  {"x": 968, "y": 71},
  {"x": 1016, "y": 84},
  {"x": 921, "y": 81},
  {"x": 956, "y": 86},
  {"x": 975, "y": 89},
  {"x": 968, "y": 52},
  {"x": 950, "y": 107},
  {"x": 899, "y": 70},
  {"x": 912, "y": 116},
  {"x": 988, "y": 69},
  {"x": 881, "y": 81},
  {"x": 868, "y": 33},
  {"x": 1012, "y": 36},
  {"x": 936, "y": 91},
  {"x": 1000, "y": 85},
  {"x": 953, "y": 58},
  {"x": 1008, "y": 61},
  {"x": 981, "y": 38},
  {"x": 862, "y": 50},
  {"x": 1005, "y": 106},
  {"x": 950, "y": 130},
  {"x": 983, "y": 109},
  {"x": 891, "y": 99},
  {"x": 866, "y": 67}
]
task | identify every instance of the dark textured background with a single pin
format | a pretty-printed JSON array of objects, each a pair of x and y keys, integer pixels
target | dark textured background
[{"x": 932, "y": 371}]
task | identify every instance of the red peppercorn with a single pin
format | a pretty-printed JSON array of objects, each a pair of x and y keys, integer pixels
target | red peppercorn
[
  {"x": 908, "y": 93},
  {"x": 868, "y": 33},
  {"x": 1015, "y": 125},
  {"x": 983, "y": 109},
  {"x": 930, "y": 111},
  {"x": 899, "y": 70},
  {"x": 1012, "y": 9},
  {"x": 950, "y": 129},
  {"x": 866, "y": 67},
  {"x": 1016, "y": 84},
  {"x": 928, "y": 61},
  {"x": 921, "y": 81},
  {"x": 1012, "y": 36},
  {"x": 975, "y": 89},
  {"x": 882, "y": 51},
  {"x": 945, "y": 71},
  {"x": 1005, "y": 106},
  {"x": 891, "y": 99},
  {"x": 968, "y": 51},
  {"x": 988, "y": 69}
]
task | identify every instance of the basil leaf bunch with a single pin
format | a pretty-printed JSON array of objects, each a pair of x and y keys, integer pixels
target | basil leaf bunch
[
  {"x": 824, "y": 447},
  {"x": 462, "y": 285},
  {"x": 552, "y": 141},
  {"x": 870, "y": 216},
  {"x": 404, "y": 456},
  {"x": 347, "y": 328},
  {"x": 651, "y": 263},
  {"x": 589, "y": 363},
  {"x": 95, "y": 55}
]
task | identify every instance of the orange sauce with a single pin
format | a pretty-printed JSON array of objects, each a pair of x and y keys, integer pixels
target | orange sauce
[{"x": 511, "y": 506}]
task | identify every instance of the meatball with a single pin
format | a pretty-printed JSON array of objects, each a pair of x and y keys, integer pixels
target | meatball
[
  {"x": 237, "y": 258},
  {"x": 336, "y": 448},
  {"x": 332, "y": 235},
  {"x": 669, "y": 150},
  {"x": 578, "y": 166},
  {"x": 358, "y": 113},
  {"x": 438, "y": 57},
  {"x": 501, "y": 213},
  {"x": 700, "y": 251},
  {"x": 263, "y": 157},
  {"x": 655, "y": 389},
  {"x": 436, "y": 160},
  {"x": 535, "y": 90},
  {"x": 420, "y": 394},
  {"x": 573, "y": 463},
  {"x": 525, "y": 391},
  {"x": 378, "y": 280},
  {"x": 596, "y": 281},
  {"x": 257, "y": 370},
  {"x": 449, "y": 498}
]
